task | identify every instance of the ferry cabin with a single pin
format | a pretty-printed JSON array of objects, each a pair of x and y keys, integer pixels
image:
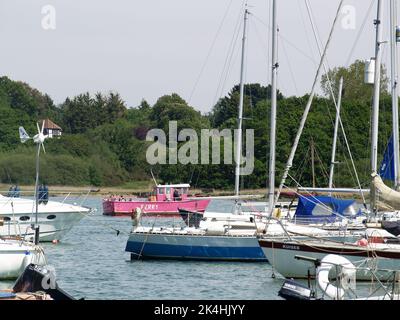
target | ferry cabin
[{"x": 170, "y": 192}]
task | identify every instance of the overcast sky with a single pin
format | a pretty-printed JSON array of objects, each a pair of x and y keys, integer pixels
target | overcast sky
[{"x": 148, "y": 48}]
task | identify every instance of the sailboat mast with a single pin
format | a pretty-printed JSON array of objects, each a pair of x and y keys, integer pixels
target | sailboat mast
[
  {"x": 240, "y": 117},
  {"x": 36, "y": 226},
  {"x": 272, "y": 136},
  {"x": 335, "y": 134},
  {"x": 375, "y": 105},
  {"x": 395, "y": 111}
]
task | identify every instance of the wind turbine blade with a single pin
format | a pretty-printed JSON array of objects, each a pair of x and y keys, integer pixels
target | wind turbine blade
[
  {"x": 44, "y": 150},
  {"x": 23, "y": 135},
  {"x": 42, "y": 127},
  {"x": 37, "y": 126}
]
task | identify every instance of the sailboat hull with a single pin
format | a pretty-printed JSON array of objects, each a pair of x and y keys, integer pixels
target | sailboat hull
[
  {"x": 194, "y": 247},
  {"x": 282, "y": 256}
]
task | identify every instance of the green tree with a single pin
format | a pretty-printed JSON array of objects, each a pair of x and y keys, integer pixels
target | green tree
[{"x": 354, "y": 87}]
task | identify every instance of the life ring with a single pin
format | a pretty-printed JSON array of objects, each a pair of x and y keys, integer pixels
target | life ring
[{"x": 348, "y": 271}]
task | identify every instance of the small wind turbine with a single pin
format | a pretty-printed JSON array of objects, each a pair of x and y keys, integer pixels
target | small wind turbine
[{"x": 39, "y": 140}]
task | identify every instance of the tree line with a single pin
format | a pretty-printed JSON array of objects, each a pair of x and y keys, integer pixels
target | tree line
[{"x": 103, "y": 141}]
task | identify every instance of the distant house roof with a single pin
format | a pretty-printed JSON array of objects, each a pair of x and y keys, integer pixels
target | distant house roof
[{"x": 48, "y": 124}]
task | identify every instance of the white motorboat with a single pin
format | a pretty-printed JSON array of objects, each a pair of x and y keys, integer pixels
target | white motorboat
[
  {"x": 16, "y": 255},
  {"x": 54, "y": 218}
]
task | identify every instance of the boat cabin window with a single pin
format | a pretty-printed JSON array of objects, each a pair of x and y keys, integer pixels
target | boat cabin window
[
  {"x": 160, "y": 191},
  {"x": 323, "y": 210},
  {"x": 184, "y": 190},
  {"x": 168, "y": 190}
]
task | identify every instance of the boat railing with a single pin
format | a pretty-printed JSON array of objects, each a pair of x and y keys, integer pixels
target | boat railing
[
  {"x": 317, "y": 220},
  {"x": 194, "y": 234},
  {"x": 66, "y": 197}
]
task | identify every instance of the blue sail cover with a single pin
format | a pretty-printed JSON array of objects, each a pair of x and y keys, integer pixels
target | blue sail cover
[
  {"x": 315, "y": 208},
  {"x": 386, "y": 170}
]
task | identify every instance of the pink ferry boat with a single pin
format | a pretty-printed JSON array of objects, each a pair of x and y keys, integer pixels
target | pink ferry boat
[{"x": 165, "y": 199}]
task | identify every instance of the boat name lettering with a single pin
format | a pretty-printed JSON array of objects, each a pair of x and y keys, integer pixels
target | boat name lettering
[
  {"x": 290, "y": 247},
  {"x": 149, "y": 206}
]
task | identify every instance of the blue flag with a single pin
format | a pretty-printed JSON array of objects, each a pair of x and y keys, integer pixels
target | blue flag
[{"x": 386, "y": 170}]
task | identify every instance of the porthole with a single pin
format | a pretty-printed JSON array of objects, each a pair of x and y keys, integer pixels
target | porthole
[
  {"x": 51, "y": 217},
  {"x": 24, "y": 218}
]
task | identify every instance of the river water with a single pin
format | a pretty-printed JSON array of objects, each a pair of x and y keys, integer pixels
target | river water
[{"x": 91, "y": 263}]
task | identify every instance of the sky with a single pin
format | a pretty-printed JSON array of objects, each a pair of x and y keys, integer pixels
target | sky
[{"x": 146, "y": 49}]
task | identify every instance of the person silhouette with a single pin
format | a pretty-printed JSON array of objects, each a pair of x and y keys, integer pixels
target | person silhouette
[
  {"x": 45, "y": 194},
  {"x": 10, "y": 191},
  {"x": 17, "y": 191},
  {"x": 40, "y": 193}
]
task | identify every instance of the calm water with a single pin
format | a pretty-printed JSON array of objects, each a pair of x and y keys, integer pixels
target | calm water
[{"x": 90, "y": 262}]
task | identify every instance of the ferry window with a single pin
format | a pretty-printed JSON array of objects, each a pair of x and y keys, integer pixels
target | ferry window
[
  {"x": 6, "y": 218},
  {"x": 51, "y": 217},
  {"x": 24, "y": 218}
]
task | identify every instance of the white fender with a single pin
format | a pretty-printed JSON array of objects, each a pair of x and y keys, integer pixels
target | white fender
[
  {"x": 136, "y": 217},
  {"x": 327, "y": 263},
  {"x": 215, "y": 230}
]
